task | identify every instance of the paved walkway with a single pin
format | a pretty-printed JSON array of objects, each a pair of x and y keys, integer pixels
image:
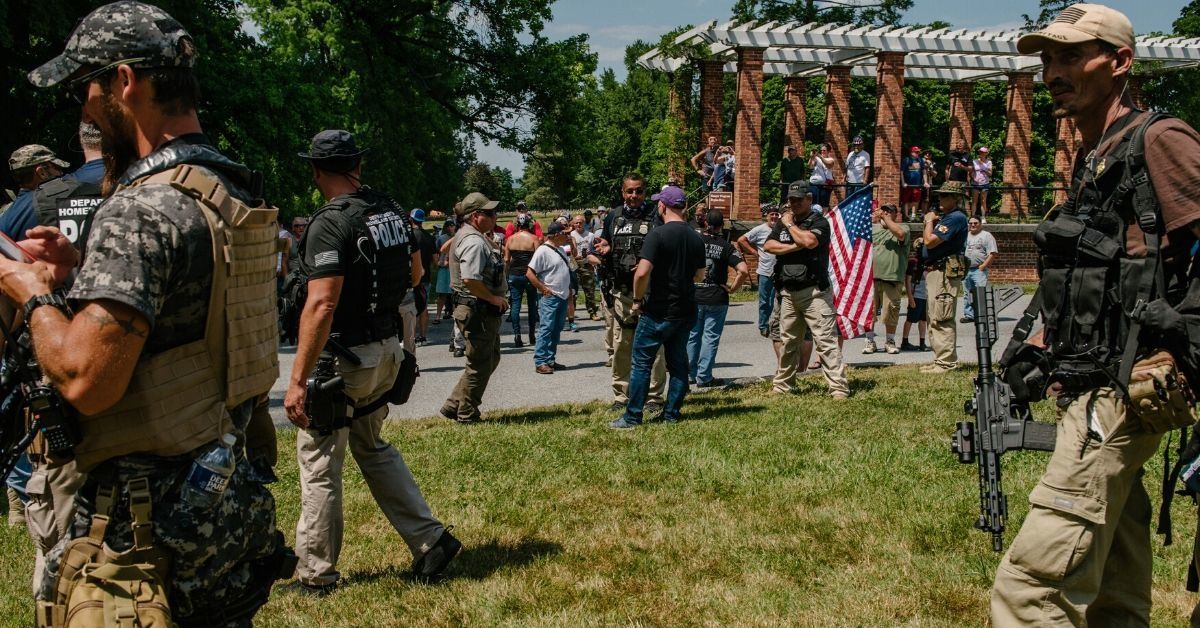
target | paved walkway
[{"x": 743, "y": 353}]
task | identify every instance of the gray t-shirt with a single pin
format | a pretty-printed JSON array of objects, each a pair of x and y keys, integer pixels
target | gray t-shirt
[
  {"x": 979, "y": 247},
  {"x": 552, "y": 269},
  {"x": 766, "y": 261}
]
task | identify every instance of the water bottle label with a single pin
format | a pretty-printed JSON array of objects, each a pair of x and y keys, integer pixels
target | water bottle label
[
  {"x": 207, "y": 480},
  {"x": 1190, "y": 476}
]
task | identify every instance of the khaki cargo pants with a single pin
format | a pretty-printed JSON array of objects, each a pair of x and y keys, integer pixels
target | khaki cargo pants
[
  {"x": 320, "y": 528},
  {"x": 809, "y": 309},
  {"x": 481, "y": 333},
  {"x": 50, "y": 510},
  {"x": 887, "y": 301},
  {"x": 943, "y": 307},
  {"x": 1083, "y": 552},
  {"x": 623, "y": 355}
]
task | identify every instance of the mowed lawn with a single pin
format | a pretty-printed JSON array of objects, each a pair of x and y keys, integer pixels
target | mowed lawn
[{"x": 757, "y": 510}]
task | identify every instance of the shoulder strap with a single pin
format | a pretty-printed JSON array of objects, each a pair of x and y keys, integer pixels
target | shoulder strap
[{"x": 560, "y": 253}]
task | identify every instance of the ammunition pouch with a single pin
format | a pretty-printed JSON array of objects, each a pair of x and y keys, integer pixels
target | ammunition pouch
[
  {"x": 955, "y": 267},
  {"x": 1159, "y": 395},
  {"x": 1067, "y": 234},
  {"x": 99, "y": 587},
  {"x": 795, "y": 276}
]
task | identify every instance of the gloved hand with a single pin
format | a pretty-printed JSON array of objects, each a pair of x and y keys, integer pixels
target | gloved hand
[
  {"x": 1025, "y": 373},
  {"x": 1159, "y": 316}
]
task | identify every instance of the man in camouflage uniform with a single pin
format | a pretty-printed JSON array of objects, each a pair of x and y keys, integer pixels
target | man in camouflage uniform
[
  {"x": 143, "y": 290},
  {"x": 31, "y": 166}
]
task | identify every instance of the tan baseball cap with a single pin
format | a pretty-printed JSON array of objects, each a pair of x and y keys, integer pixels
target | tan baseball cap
[{"x": 1079, "y": 23}]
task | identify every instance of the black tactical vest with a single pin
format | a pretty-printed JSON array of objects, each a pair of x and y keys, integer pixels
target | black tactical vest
[
  {"x": 1089, "y": 283},
  {"x": 628, "y": 234},
  {"x": 69, "y": 204},
  {"x": 380, "y": 274}
]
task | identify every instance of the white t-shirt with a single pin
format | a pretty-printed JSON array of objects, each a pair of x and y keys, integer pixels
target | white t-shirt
[
  {"x": 857, "y": 163},
  {"x": 983, "y": 171},
  {"x": 820, "y": 172},
  {"x": 757, "y": 236},
  {"x": 583, "y": 243},
  {"x": 979, "y": 247},
  {"x": 552, "y": 269},
  {"x": 283, "y": 235}
]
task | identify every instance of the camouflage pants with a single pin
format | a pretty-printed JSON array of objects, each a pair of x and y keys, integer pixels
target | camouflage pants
[
  {"x": 212, "y": 553},
  {"x": 587, "y": 285}
]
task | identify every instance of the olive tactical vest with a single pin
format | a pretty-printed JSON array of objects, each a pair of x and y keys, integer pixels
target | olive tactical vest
[
  {"x": 493, "y": 267},
  {"x": 1090, "y": 284},
  {"x": 178, "y": 400}
]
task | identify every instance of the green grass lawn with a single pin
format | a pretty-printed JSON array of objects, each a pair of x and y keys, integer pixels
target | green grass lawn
[{"x": 758, "y": 510}]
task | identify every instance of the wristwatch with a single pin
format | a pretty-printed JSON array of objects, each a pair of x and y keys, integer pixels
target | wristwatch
[{"x": 54, "y": 299}]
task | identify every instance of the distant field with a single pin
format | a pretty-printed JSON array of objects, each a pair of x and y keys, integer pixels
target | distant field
[{"x": 757, "y": 510}]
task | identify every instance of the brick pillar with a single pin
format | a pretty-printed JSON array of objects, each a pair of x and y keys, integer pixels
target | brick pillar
[
  {"x": 1016, "y": 146},
  {"x": 747, "y": 144},
  {"x": 1065, "y": 147},
  {"x": 889, "y": 121},
  {"x": 712, "y": 99},
  {"x": 1135, "y": 91},
  {"x": 962, "y": 115},
  {"x": 795, "y": 118},
  {"x": 837, "y": 119}
]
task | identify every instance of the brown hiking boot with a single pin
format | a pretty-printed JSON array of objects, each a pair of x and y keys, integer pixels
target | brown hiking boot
[{"x": 16, "y": 509}]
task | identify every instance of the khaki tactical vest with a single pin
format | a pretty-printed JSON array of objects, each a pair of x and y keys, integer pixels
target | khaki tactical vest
[
  {"x": 493, "y": 266},
  {"x": 178, "y": 400}
]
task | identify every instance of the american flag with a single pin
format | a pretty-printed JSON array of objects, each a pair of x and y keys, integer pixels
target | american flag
[{"x": 851, "y": 266}]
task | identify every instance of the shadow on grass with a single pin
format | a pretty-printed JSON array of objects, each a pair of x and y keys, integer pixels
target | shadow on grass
[
  {"x": 472, "y": 563},
  {"x": 536, "y": 415}
]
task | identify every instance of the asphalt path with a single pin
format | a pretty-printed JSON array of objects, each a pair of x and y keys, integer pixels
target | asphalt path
[{"x": 743, "y": 354}]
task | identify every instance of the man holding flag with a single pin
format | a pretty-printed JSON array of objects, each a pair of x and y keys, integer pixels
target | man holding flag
[{"x": 800, "y": 242}]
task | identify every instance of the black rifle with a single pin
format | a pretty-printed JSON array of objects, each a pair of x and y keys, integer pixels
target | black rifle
[
  {"x": 21, "y": 387},
  {"x": 1001, "y": 424}
]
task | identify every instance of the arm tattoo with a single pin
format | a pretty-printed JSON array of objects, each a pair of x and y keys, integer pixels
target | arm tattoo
[{"x": 104, "y": 319}]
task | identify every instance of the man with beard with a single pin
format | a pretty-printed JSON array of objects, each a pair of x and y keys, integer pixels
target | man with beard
[
  {"x": 620, "y": 243},
  {"x": 143, "y": 349}
]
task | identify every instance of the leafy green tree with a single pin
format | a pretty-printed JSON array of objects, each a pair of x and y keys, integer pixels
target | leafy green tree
[{"x": 881, "y": 12}]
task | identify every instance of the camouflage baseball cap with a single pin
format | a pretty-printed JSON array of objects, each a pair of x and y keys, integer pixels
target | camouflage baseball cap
[
  {"x": 27, "y": 157},
  {"x": 139, "y": 34}
]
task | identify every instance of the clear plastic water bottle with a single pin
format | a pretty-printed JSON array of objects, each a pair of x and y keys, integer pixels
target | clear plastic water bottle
[{"x": 210, "y": 474}]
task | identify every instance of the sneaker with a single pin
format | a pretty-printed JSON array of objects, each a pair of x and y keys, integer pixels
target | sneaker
[
  {"x": 309, "y": 590},
  {"x": 890, "y": 347},
  {"x": 662, "y": 418},
  {"x": 870, "y": 347},
  {"x": 458, "y": 353},
  {"x": 608, "y": 362},
  {"x": 924, "y": 347},
  {"x": 654, "y": 407},
  {"x": 558, "y": 367},
  {"x": 420, "y": 341},
  {"x": 616, "y": 406},
  {"x": 572, "y": 326},
  {"x": 907, "y": 346},
  {"x": 517, "y": 342},
  {"x": 595, "y": 316},
  {"x": 544, "y": 369},
  {"x": 839, "y": 395},
  {"x": 436, "y": 320},
  {"x": 430, "y": 565},
  {"x": 764, "y": 332},
  {"x": 967, "y": 319},
  {"x": 715, "y": 382},
  {"x": 624, "y": 423},
  {"x": 450, "y": 347}
]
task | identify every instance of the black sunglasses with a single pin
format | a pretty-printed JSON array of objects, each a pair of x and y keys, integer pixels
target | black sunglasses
[
  {"x": 78, "y": 88},
  {"x": 635, "y": 190}
]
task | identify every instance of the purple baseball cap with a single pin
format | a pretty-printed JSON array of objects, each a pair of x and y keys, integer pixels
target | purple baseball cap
[{"x": 672, "y": 197}]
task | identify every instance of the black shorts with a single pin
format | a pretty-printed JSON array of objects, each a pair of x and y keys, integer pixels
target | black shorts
[{"x": 916, "y": 314}]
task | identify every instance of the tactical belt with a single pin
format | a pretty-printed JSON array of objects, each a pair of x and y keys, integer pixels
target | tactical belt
[{"x": 375, "y": 329}]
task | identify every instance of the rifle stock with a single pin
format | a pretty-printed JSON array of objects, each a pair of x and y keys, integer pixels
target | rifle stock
[{"x": 1000, "y": 423}]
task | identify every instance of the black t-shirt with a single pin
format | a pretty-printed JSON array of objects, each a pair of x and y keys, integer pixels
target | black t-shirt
[
  {"x": 677, "y": 252},
  {"x": 427, "y": 247},
  {"x": 719, "y": 255},
  {"x": 805, "y": 267}
]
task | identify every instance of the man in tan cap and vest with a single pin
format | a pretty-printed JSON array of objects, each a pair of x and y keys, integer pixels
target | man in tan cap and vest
[
  {"x": 141, "y": 347},
  {"x": 1109, "y": 260},
  {"x": 944, "y": 238},
  {"x": 480, "y": 298},
  {"x": 31, "y": 166}
]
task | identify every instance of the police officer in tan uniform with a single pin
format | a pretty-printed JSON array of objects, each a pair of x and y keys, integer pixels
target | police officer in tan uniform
[
  {"x": 480, "y": 299},
  {"x": 944, "y": 238}
]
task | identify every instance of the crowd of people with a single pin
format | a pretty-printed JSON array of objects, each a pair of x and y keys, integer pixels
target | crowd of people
[{"x": 150, "y": 328}]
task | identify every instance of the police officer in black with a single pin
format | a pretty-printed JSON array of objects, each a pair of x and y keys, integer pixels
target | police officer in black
[
  {"x": 625, "y": 228},
  {"x": 360, "y": 261}
]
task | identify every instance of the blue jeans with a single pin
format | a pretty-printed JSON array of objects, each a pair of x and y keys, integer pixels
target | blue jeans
[
  {"x": 975, "y": 277},
  {"x": 704, "y": 340},
  {"x": 820, "y": 194},
  {"x": 552, "y": 315},
  {"x": 651, "y": 334},
  {"x": 518, "y": 285},
  {"x": 766, "y": 302}
]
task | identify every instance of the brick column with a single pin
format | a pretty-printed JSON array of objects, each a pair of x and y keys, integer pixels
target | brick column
[
  {"x": 1016, "y": 146},
  {"x": 962, "y": 115},
  {"x": 712, "y": 99},
  {"x": 795, "y": 118},
  {"x": 837, "y": 120},
  {"x": 889, "y": 121},
  {"x": 1065, "y": 146},
  {"x": 747, "y": 138}
]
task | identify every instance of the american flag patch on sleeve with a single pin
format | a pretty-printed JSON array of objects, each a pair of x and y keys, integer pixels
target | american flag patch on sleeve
[{"x": 326, "y": 258}]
